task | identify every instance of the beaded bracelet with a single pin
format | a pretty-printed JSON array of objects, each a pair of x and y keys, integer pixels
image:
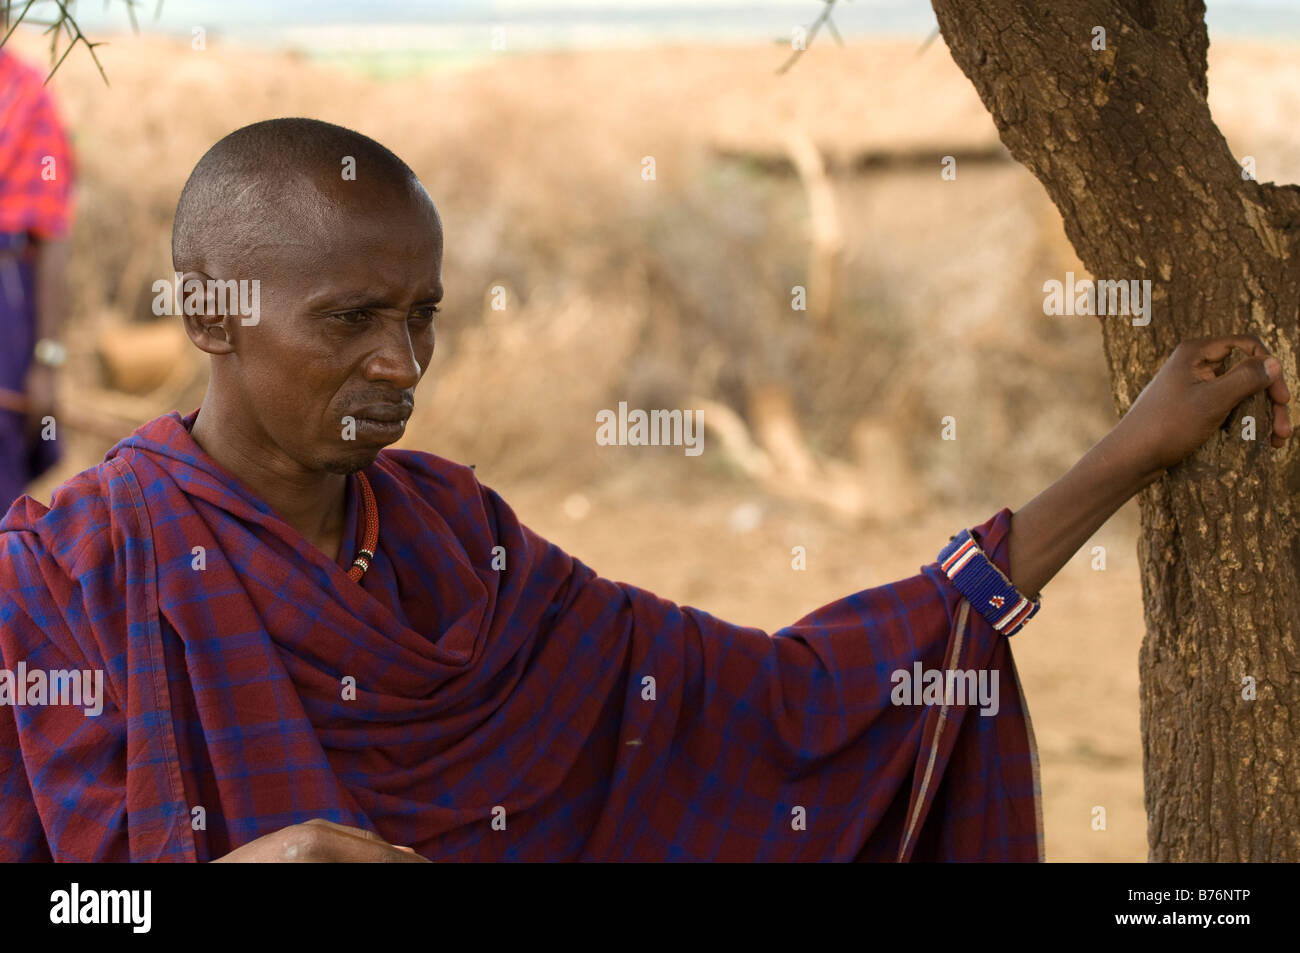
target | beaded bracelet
[{"x": 985, "y": 585}]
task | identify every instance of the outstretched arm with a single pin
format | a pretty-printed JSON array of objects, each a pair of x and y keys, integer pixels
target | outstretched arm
[{"x": 1183, "y": 405}]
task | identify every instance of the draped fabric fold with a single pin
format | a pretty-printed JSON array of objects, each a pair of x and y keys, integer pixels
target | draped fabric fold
[{"x": 480, "y": 695}]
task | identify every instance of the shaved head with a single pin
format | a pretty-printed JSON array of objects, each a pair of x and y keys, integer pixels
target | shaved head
[{"x": 271, "y": 179}]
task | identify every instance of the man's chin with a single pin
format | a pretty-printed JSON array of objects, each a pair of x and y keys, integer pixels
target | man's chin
[{"x": 358, "y": 459}]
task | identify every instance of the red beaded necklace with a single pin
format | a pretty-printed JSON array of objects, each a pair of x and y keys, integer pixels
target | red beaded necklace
[{"x": 369, "y": 533}]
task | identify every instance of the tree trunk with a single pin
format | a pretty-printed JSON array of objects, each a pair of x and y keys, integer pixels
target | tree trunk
[{"x": 1123, "y": 141}]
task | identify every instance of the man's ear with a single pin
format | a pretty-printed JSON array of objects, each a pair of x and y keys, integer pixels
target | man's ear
[{"x": 208, "y": 328}]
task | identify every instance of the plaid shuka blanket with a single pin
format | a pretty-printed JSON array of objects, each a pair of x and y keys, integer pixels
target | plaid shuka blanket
[{"x": 535, "y": 711}]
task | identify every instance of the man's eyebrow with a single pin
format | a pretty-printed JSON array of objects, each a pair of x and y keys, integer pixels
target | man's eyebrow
[{"x": 367, "y": 299}]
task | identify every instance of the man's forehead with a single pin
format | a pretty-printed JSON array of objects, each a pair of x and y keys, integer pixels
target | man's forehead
[
  {"x": 364, "y": 237},
  {"x": 341, "y": 291},
  {"x": 310, "y": 209},
  {"x": 330, "y": 237}
]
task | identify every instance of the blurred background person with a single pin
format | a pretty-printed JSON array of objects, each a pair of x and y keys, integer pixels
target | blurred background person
[{"x": 35, "y": 211}]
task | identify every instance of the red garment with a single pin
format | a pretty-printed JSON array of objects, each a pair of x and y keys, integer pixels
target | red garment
[
  {"x": 36, "y": 170},
  {"x": 502, "y": 710}
]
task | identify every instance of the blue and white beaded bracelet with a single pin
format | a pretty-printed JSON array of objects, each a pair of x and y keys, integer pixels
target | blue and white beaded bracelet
[{"x": 985, "y": 586}]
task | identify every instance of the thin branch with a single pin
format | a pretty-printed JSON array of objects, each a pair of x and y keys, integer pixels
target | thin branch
[
  {"x": 824, "y": 17},
  {"x": 64, "y": 22},
  {"x": 73, "y": 29},
  {"x": 928, "y": 40},
  {"x": 830, "y": 25},
  {"x": 16, "y": 22}
]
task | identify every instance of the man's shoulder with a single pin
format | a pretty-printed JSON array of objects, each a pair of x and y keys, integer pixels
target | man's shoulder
[
  {"x": 422, "y": 471},
  {"x": 77, "y": 521},
  {"x": 452, "y": 489}
]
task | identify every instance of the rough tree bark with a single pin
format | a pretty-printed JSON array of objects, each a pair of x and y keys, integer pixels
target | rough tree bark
[{"x": 1123, "y": 141}]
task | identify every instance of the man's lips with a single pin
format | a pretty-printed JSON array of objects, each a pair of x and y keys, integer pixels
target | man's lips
[
  {"x": 381, "y": 423},
  {"x": 384, "y": 414}
]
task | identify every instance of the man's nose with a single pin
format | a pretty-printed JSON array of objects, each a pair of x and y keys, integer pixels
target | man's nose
[{"x": 394, "y": 360}]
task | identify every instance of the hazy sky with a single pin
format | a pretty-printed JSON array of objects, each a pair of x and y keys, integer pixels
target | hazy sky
[{"x": 590, "y": 22}]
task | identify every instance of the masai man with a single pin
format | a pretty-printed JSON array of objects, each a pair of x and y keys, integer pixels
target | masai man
[
  {"x": 35, "y": 211},
  {"x": 315, "y": 648}
]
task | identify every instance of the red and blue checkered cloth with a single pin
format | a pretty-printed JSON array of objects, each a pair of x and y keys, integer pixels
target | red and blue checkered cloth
[
  {"x": 519, "y": 695},
  {"x": 35, "y": 160}
]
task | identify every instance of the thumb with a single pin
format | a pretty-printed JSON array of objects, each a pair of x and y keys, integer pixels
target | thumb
[{"x": 1248, "y": 376}]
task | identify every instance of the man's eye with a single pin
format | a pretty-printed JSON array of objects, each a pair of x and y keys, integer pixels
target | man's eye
[
  {"x": 352, "y": 317},
  {"x": 425, "y": 314}
]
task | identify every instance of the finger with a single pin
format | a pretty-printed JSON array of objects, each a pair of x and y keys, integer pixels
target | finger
[
  {"x": 1249, "y": 376},
  {"x": 345, "y": 829},
  {"x": 357, "y": 845},
  {"x": 325, "y": 822},
  {"x": 1214, "y": 350},
  {"x": 1281, "y": 425},
  {"x": 1278, "y": 392},
  {"x": 355, "y": 850}
]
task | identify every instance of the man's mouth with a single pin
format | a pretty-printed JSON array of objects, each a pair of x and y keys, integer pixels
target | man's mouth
[
  {"x": 379, "y": 413},
  {"x": 380, "y": 423},
  {"x": 379, "y": 431}
]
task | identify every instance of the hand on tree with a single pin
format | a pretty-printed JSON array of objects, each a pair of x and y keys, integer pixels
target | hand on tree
[
  {"x": 322, "y": 842},
  {"x": 1191, "y": 397}
]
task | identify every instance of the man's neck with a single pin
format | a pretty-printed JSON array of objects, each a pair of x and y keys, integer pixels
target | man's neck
[{"x": 312, "y": 502}]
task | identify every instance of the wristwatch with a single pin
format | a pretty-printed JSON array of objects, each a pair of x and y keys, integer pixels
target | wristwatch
[{"x": 50, "y": 353}]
